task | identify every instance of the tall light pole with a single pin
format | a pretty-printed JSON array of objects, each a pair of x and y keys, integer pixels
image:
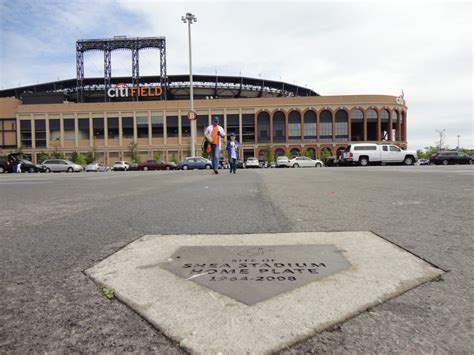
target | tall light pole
[
  {"x": 189, "y": 19},
  {"x": 458, "y": 140}
]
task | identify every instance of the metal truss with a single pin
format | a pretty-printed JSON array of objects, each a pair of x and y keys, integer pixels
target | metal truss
[{"x": 119, "y": 43}]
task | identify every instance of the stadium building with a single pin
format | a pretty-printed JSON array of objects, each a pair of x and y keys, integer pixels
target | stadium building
[{"x": 106, "y": 115}]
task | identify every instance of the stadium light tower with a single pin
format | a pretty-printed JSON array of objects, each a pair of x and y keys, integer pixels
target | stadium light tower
[{"x": 189, "y": 19}]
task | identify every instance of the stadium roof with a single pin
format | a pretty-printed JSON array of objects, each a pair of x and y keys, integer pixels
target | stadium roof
[{"x": 205, "y": 87}]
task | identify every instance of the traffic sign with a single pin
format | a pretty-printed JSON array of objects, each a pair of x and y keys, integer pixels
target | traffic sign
[{"x": 192, "y": 115}]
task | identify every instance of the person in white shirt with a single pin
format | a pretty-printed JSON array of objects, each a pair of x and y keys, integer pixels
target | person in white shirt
[
  {"x": 232, "y": 152},
  {"x": 213, "y": 134}
]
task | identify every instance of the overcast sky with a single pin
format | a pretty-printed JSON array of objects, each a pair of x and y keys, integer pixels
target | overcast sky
[{"x": 339, "y": 48}]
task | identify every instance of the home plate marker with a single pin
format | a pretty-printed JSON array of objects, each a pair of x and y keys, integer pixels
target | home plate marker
[{"x": 257, "y": 293}]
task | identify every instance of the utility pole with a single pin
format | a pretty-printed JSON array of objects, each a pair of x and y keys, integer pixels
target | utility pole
[
  {"x": 441, "y": 138},
  {"x": 189, "y": 19},
  {"x": 458, "y": 141}
]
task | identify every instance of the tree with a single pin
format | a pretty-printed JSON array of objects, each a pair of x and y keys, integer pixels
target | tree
[
  {"x": 78, "y": 158},
  {"x": 173, "y": 158},
  {"x": 307, "y": 153},
  {"x": 157, "y": 155},
  {"x": 41, "y": 157},
  {"x": 268, "y": 153},
  {"x": 325, "y": 153},
  {"x": 90, "y": 157},
  {"x": 133, "y": 150},
  {"x": 427, "y": 152}
]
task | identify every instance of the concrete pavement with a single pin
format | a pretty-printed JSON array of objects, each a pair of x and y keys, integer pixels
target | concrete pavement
[{"x": 54, "y": 226}]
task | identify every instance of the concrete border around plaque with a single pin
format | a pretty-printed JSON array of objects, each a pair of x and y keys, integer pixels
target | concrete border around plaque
[{"x": 257, "y": 293}]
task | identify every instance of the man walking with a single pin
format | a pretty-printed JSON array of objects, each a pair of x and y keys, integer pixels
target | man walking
[
  {"x": 232, "y": 152},
  {"x": 213, "y": 134}
]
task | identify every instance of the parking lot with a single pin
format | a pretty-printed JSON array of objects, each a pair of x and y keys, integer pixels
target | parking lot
[{"x": 54, "y": 226}]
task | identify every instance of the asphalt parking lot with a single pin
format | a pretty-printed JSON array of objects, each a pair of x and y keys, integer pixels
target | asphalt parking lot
[{"x": 54, "y": 226}]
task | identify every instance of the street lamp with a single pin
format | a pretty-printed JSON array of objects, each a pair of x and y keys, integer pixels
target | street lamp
[
  {"x": 458, "y": 140},
  {"x": 189, "y": 19}
]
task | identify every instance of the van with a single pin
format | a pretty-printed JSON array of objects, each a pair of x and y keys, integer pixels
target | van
[{"x": 370, "y": 153}]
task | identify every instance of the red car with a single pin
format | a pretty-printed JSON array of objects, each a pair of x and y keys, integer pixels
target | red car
[{"x": 156, "y": 165}]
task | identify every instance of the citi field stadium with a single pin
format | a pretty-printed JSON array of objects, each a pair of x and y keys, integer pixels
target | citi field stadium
[{"x": 107, "y": 114}]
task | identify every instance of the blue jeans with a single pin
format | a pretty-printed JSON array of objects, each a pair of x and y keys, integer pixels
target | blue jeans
[
  {"x": 215, "y": 156},
  {"x": 233, "y": 164}
]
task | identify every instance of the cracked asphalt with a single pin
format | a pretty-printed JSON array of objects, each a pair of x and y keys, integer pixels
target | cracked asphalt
[{"x": 54, "y": 226}]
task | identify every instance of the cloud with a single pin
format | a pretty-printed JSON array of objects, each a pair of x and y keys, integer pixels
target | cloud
[{"x": 333, "y": 48}]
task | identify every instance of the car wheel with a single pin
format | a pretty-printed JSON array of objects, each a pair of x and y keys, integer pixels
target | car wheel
[
  {"x": 48, "y": 170},
  {"x": 445, "y": 162},
  {"x": 408, "y": 161},
  {"x": 70, "y": 170},
  {"x": 145, "y": 168},
  {"x": 185, "y": 167},
  {"x": 296, "y": 165},
  {"x": 167, "y": 168},
  {"x": 207, "y": 167},
  {"x": 2, "y": 169},
  {"x": 470, "y": 162},
  {"x": 31, "y": 170},
  {"x": 318, "y": 165},
  {"x": 364, "y": 161}
]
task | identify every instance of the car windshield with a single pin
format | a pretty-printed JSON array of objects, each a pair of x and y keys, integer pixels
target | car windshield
[
  {"x": 26, "y": 161},
  {"x": 118, "y": 162}
]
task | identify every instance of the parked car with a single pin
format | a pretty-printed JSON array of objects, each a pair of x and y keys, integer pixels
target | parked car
[
  {"x": 191, "y": 163},
  {"x": 367, "y": 153},
  {"x": 331, "y": 161},
  {"x": 305, "y": 162},
  {"x": 450, "y": 157},
  {"x": 133, "y": 167},
  {"x": 29, "y": 167},
  {"x": 240, "y": 164},
  {"x": 120, "y": 165},
  {"x": 97, "y": 167},
  {"x": 156, "y": 165},
  {"x": 282, "y": 162},
  {"x": 423, "y": 162},
  {"x": 6, "y": 164},
  {"x": 252, "y": 163},
  {"x": 59, "y": 165}
]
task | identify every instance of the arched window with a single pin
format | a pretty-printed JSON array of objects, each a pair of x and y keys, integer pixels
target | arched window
[
  {"x": 371, "y": 125},
  {"x": 294, "y": 127},
  {"x": 295, "y": 152},
  {"x": 263, "y": 124},
  {"x": 385, "y": 125},
  {"x": 395, "y": 132},
  {"x": 341, "y": 125},
  {"x": 325, "y": 130},
  {"x": 309, "y": 126},
  {"x": 357, "y": 125},
  {"x": 279, "y": 129},
  {"x": 311, "y": 153},
  {"x": 279, "y": 152}
]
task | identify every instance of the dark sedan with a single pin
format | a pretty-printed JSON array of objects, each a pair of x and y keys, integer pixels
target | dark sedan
[
  {"x": 450, "y": 157},
  {"x": 156, "y": 165},
  {"x": 29, "y": 167}
]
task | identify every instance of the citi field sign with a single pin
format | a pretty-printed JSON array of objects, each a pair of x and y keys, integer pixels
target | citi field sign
[{"x": 121, "y": 90}]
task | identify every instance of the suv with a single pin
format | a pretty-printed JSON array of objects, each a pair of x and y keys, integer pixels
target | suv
[
  {"x": 366, "y": 153},
  {"x": 58, "y": 165},
  {"x": 450, "y": 157}
]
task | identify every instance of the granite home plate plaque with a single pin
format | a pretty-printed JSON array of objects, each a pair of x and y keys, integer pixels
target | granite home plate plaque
[{"x": 251, "y": 274}]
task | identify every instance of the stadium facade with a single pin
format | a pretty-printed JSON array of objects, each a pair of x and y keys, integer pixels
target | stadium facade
[{"x": 106, "y": 116}]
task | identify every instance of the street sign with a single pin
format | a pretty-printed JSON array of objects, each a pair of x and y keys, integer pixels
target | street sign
[{"x": 192, "y": 115}]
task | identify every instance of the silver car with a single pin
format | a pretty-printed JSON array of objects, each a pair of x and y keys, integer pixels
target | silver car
[
  {"x": 58, "y": 165},
  {"x": 97, "y": 167}
]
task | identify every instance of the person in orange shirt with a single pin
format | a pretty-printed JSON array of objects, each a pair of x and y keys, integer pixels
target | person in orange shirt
[{"x": 213, "y": 134}]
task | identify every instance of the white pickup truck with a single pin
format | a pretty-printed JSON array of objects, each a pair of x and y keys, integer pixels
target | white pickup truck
[{"x": 368, "y": 153}]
